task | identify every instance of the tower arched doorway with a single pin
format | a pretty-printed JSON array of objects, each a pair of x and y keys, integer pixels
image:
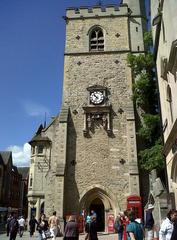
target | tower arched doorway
[
  {"x": 100, "y": 200},
  {"x": 98, "y": 207}
]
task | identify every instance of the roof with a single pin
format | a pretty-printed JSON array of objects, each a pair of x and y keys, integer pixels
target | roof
[
  {"x": 24, "y": 171},
  {"x": 39, "y": 138},
  {"x": 5, "y": 156}
]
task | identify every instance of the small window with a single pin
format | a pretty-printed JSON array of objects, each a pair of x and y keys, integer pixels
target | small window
[
  {"x": 96, "y": 40},
  {"x": 33, "y": 150},
  {"x": 169, "y": 100},
  {"x": 31, "y": 181},
  {"x": 40, "y": 149}
]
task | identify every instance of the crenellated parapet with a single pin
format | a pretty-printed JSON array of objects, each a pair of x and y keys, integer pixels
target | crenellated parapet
[{"x": 97, "y": 11}]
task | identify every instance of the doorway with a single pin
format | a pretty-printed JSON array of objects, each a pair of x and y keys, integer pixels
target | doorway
[{"x": 98, "y": 207}]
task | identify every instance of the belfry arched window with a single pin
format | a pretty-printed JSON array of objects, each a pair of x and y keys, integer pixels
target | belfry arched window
[
  {"x": 97, "y": 39},
  {"x": 169, "y": 99}
]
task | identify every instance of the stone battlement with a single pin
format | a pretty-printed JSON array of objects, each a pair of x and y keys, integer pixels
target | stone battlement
[{"x": 97, "y": 11}]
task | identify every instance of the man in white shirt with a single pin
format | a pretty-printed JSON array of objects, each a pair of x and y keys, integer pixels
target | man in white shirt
[
  {"x": 167, "y": 226},
  {"x": 21, "y": 223}
]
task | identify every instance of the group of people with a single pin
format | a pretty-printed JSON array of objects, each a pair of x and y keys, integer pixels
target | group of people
[
  {"x": 15, "y": 225},
  {"x": 43, "y": 226},
  {"x": 130, "y": 228}
]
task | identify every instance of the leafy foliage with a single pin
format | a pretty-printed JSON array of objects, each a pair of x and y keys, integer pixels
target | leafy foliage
[
  {"x": 152, "y": 158},
  {"x": 145, "y": 97},
  {"x": 140, "y": 63},
  {"x": 148, "y": 38}
]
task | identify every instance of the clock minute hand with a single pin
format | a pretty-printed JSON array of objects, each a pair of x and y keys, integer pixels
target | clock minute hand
[{"x": 96, "y": 96}]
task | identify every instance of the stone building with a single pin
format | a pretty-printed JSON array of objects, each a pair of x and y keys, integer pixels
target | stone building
[
  {"x": 86, "y": 158},
  {"x": 165, "y": 49}
]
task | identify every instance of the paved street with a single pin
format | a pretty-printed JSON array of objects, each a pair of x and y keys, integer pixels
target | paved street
[{"x": 101, "y": 236}]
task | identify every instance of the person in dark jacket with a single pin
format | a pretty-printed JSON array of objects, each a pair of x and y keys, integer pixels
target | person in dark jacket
[
  {"x": 7, "y": 225},
  {"x": 149, "y": 222},
  {"x": 32, "y": 225},
  {"x": 174, "y": 233},
  {"x": 13, "y": 227},
  {"x": 91, "y": 229},
  {"x": 71, "y": 229}
]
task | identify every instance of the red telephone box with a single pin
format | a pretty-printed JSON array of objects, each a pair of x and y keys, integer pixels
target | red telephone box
[{"x": 134, "y": 202}]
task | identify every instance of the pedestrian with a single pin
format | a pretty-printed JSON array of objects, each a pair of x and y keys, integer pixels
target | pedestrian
[
  {"x": 21, "y": 222},
  {"x": 42, "y": 226},
  {"x": 167, "y": 226},
  {"x": 133, "y": 229},
  {"x": 149, "y": 222},
  {"x": 91, "y": 229},
  {"x": 118, "y": 226},
  {"x": 54, "y": 225},
  {"x": 125, "y": 221},
  {"x": 71, "y": 229},
  {"x": 93, "y": 213},
  {"x": 32, "y": 225},
  {"x": 174, "y": 233},
  {"x": 7, "y": 224},
  {"x": 13, "y": 227}
]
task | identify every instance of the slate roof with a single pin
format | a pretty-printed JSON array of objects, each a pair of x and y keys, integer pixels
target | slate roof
[
  {"x": 24, "y": 171},
  {"x": 5, "y": 156},
  {"x": 38, "y": 137}
]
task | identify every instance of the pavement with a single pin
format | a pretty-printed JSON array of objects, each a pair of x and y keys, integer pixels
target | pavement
[{"x": 101, "y": 236}]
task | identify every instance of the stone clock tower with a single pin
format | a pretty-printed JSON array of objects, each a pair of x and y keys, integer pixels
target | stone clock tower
[{"x": 90, "y": 147}]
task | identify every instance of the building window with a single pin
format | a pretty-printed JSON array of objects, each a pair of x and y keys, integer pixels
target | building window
[
  {"x": 96, "y": 40},
  {"x": 33, "y": 150},
  {"x": 169, "y": 100},
  {"x": 31, "y": 181},
  {"x": 40, "y": 149}
]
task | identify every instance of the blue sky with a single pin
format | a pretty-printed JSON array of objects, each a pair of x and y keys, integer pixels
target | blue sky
[{"x": 31, "y": 67}]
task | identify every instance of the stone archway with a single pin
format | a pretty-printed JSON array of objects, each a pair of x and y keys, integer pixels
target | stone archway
[
  {"x": 99, "y": 200},
  {"x": 98, "y": 207}
]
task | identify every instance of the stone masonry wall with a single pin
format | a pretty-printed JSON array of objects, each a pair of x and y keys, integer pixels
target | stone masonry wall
[{"x": 98, "y": 157}]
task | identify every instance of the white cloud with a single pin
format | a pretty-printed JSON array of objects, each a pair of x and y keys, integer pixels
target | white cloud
[
  {"x": 35, "y": 109},
  {"x": 20, "y": 155}
]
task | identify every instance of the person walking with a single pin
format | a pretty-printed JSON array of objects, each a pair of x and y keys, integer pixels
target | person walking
[
  {"x": 149, "y": 222},
  {"x": 7, "y": 224},
  {"x": 71, "y": 229},
  {"x": 54, "y": 225},
  {"x": 13, "y": 227},
  {"x": 133, "y": 229},
  {"x": 91, "y": 229},
  {"x": 118, "y": 226},
  {"x": 32, "y": 225},
  {"x": 167, "y": 226},
  {"x": 42, "y": 226},
  {"x": 21, "y": 222}
]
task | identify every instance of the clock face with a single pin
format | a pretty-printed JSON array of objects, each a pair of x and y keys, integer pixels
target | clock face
[{"x": 96, "y": 97}]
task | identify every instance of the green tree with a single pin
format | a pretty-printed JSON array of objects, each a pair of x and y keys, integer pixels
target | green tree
[{"x": 145, "y": 98}]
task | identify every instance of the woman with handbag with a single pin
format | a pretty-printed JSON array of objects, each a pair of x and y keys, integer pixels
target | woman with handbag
[
  {"x": 71, "y": 229},
  {"x": 43, "y": 227}
]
